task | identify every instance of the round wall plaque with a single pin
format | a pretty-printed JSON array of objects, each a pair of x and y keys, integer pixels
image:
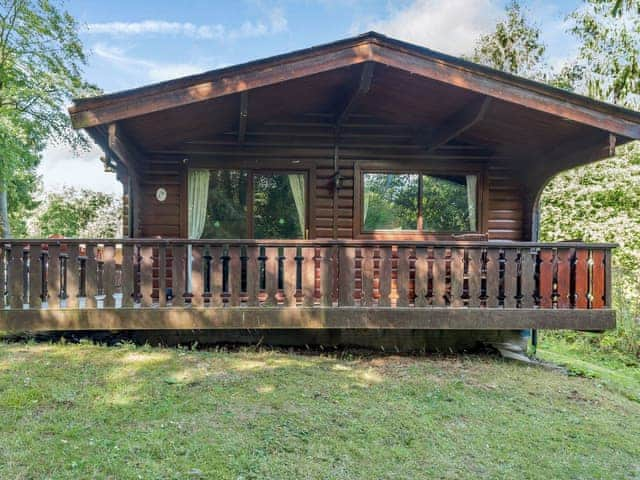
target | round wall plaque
[{"x": 161, "y": 194}]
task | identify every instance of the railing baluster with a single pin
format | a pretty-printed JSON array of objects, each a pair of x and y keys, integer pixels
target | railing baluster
[
  {"x": 108, "y": 275},
  {"x": 216, "y": 276},
  {"x": 597, "y": 279},
  {"x": 253, "y": 276},
  {"x": 563, "y": 262},
  {"x": 128, "y": 274},
  {"x": 510, "y": 277},
  {"x": 308, "y": 276},
  {"x": 15, "y": 277},
  {"x": 439, "y": 277},
  {"x": 607, "y": 278},
  {"x": 421, "y": 277},
  {"x": 162, "y": 275},
  {"x": 545, "y": 280},
  {"x": 235, "y": 275},
  {"x": 53, "y": 276},
  {"x": 91, "y": 275},
  {"x": 3, "y": 270},
  {"x": 493, "y": 277},
  {"x": 178, "y": 274},
  {"x": 385, "y": 277},
  {"x": 72, "y": 273},
  {"x": 197, "y": 277},
  {"x": 457, "y": 277},
  {"x": 35, "y": 275},
  {"x": 347, "y": 264},
  {"x": 290, "y": 276},
  {"x": 146, "y": 275},
  {"x": 271, "y": 276},
  {"x": 581, "y": 269},
  {"x": 527, "y": 277},
  {"x": 474, "y": 272}
]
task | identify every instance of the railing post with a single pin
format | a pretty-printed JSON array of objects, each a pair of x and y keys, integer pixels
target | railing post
[
  {"x": 290, "y": 276},
  {"x": 439, "y": 277},
  {"x": 35, "y": 275},
  {"x": 326, "y": 276},
  {"x": 563, "y": 262},
  {"x": 15, "y": 277},
  {"x": 385, "y": 277},
  {"x": 53, "y": 276},
  {"x": 197, "y": 277},
  {"x": 527, "y": 277},
  {"x": 308, "y": 276},
  {"x": 474, "y": 272},
  {"x": 421, "y": 277},
  {"x": 108, "y": 275},
  {"x": 179, "y": 251},
  {"x": 271, "y": 276},
  {"x": 510, "y": 277},
  {"x": 347, "y": 256},
  {"x": 216, "y": 276},
  {"x": 162, "y": 275},
  {"x": 607, "y": 279},
  {"x": 235, "y": 274},
  {"x": 597, "y": 278},
  {"x": 253, "y": 276},
  {"x": 402, "y": 277},
  {"x": 73, "y": 274},
  {"x": 581, "y": 269},
  {"x": 493, "y": 276},
  {"x": 128, "y": 274},
  {"x": 146, "y": 275},
  {"x": 91, "y": 289},
  {"x": 3, "y": 285}
]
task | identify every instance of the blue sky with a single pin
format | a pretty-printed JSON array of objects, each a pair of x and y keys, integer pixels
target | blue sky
[{"x": 136, "y": 42}]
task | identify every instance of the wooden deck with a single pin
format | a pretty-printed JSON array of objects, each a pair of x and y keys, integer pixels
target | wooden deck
[{"x": 260, "y": 284}]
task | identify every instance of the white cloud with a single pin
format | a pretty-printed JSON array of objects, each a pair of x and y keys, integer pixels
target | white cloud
[
  {"x": 60, "y": 166},
  {"x": 450, "y": 26},
  {"x": 276, "y": 22},
  {"x": 155, "y": 71}
]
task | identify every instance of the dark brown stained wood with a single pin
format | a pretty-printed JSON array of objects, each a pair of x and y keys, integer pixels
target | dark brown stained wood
[
  {"x": 493, "y": 277},
  {"x": 385, "y": 277},
  {"x": 457, "y": 277},
  {"x": 162, "y": 276},
  {"x": 607, "y": 279},
  {"x": 458, "y": 123},
  {"x": 597, "y": 279},
  {"x": 108, "y": 275},
  {"x": 53, "y": 276},
  {"x": 178, "y": 274},
  {"x": 527, "y": 277},
  {"x": 146, "y": 275},
  {"x": 123, "y": 148},
  {"x": 197, "y": 277},
  {"x": 290, "y": 276},
  {"x": 582, "y": 278},
  {"x": 421, "y": 277},
  {"x": 244, "y": 116},
  {"x": 216, "y": 275},
  {"x": 15, "y": 280},
  {"x": 439, "y": 277},
  {"x": 347, "y": 276},
  {"x": 326, "y": 276},
  {"x": 366, "y": 298},
  {"x": 545, "y": 282},
  {"x": 474, "y": 275},
  {"x": 91, "y": 275},
  {"x": 308, "y": 276},
  {"x": 253, "y": 276},
  {"x": 73, "y": 275},
  {"x": 563, "y": 261},
  {"x": 271, "y": 276},
  {"x": 35, "y": 276},
  {"x": 241, "y": 318},
  {"x": 346, "y": 109},
  {"x": 403, "y": 277},
  {"x": 510, "y": 277},
  {"x": 235, "y": 275},
  {"x": 128, "y": 275}
]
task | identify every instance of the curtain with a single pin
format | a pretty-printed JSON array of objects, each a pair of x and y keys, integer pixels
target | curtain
[
  {"x": 198, "y": 195},
  {"x": 296, "y": 181},
  {"x": 472, "y": 198},
  {"x": 365, "y": 206}
]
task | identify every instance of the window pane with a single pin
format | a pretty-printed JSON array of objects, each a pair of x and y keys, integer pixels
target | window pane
[
  {"x": 449, "y": 203},
  {"x": 227, "y": 205},
  {"x": 390, "y": 201},
  {"x": 279, "y": 206}
]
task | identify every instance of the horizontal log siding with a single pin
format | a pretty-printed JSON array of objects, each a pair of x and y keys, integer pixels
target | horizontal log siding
[
  {"x": 505, "y": 208},
  {"x": 162, "y": 218}
]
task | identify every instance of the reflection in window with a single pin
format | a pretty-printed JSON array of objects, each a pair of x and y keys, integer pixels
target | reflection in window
[
  {"x": 390, "y": 201},
  {"x": 431, "y": 203},
  {"x": 227, "y": 205},
  {"x": 279, "y": 206}
]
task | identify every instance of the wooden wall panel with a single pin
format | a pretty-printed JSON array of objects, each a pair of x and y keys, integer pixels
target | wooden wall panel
[{"x": 505, "y": 208}]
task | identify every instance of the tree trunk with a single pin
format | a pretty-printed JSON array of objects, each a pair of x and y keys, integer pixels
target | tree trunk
[{"x": 4, "y": 212}]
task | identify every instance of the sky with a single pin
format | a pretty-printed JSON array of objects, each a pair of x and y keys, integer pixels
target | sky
[{"x": 138, "y": 42}]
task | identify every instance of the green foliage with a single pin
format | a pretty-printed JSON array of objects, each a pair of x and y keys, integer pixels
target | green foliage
[
  {"x": 514, "y": 46},
  {"x": 41, "y": 57},
  {"x": 78, "y": 213}
]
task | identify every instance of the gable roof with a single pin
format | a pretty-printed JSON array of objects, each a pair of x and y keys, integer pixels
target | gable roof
[{"x": 369, "y": 47}]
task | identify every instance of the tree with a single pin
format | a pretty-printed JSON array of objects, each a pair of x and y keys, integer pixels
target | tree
[
  {"x": 41, "y": 58},
  {"x": 78, "y": 213},
  {"x": 514, "y": 46}
]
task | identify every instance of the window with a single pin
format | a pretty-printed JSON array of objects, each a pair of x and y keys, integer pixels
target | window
[
  {"x": 419, "y": 202},
  {"x": 252, "y": 204}
]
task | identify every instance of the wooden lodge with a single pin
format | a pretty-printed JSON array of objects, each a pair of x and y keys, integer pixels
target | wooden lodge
[{"x": 363, "y": 184}]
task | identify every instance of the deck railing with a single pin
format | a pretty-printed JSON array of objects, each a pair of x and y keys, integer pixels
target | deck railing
[{"x": 153, "y": 273}]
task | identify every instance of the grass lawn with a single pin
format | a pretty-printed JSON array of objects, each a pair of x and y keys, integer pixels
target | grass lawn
[{"x": 86, "y": 411}]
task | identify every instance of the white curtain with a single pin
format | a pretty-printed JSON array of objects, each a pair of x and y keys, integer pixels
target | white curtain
[
  {"x": 198, "y": 196},
  {"x": 365, "y": 206},
  {"x": 296, "y": 181},
  {"x": 472, "y": 198},
  {"x": 198, "y": 193}
]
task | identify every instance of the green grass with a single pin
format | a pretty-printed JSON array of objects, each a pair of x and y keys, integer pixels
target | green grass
[{"x": 86, "y": 411}]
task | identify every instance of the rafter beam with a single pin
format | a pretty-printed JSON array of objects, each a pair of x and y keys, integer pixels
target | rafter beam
[
  {"x": 244, "y": 116},
  {"x": 346, "y": 109},
  {"x": 123, "y": 149},
  {"x": 458, "y": 123}
]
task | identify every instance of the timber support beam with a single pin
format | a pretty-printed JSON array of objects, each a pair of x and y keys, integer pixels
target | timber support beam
[{"x": 458, "y": 123}]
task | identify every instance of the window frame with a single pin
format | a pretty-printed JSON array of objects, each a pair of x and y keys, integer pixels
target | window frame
[
  {"x": 362, "y": 168},
  {"x": 262, "y": 170}
]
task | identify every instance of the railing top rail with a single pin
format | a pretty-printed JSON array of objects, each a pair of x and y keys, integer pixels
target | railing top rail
[{"x": 307, "y": 243}]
